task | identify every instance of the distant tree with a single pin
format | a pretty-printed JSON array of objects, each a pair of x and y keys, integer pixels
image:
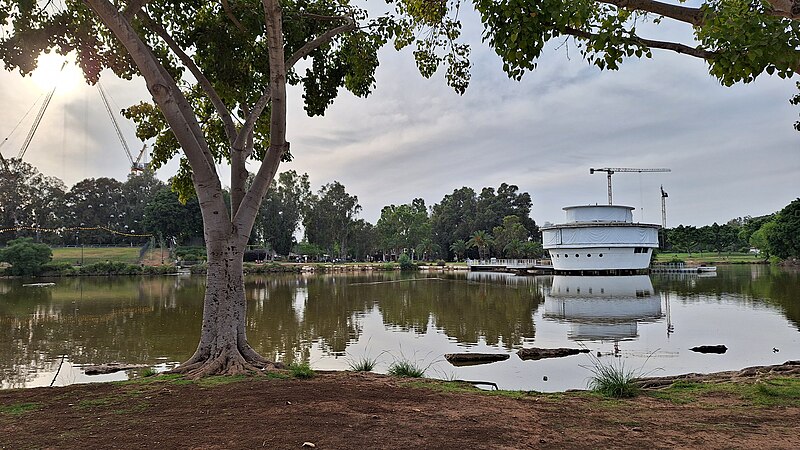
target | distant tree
[
  {"x": 309, "y": 250},
  {"x": 362, "y": 239},
  {"x": 482, "y": 241},
  {"x": 404, "y": 227},
  {"x": 512, "y": 230},
  {"x": 459, "y": 248},
  {"x": 452, "y": 219},
  {"x": 137, "y": 191},
  {"x": 29, "y": 199},
  {"x": 784, "y": 236},
  {"x": 281, "y": 212},
  {"x": 167, "y": 217},
  {"x": 760, "y": 239},
  {"x": 95, "y": 202},
  {"x": 532, "y": 249},
  {"x": 25, "y": 256},
  {"x": 328, "y": 217}
]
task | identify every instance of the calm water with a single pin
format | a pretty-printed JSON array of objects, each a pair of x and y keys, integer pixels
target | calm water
[{"x": 329, "y": 320}]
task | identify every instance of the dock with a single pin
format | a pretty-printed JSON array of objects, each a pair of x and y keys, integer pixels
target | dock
[{"x": 508, "y": 265}]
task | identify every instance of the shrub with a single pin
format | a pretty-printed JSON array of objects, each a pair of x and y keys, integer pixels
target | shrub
[
  {"x": 441, "y": 262},
  {"x": 25, "y": 256},
  {"x": 405, "y": 262}
]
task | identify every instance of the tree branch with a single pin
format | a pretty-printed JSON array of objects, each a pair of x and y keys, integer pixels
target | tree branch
[
  {"x": 301, "y": 53},
  {"x": 789, "y": 9},
  {"x": 133, "y": 7},
  {"x": 227, "y": 7},
  {"x": 168, "y": 97},
  {"x": 686, "y": 14},
  {"x": 219, "y": 105},
  {"x": 673, "y": 46}
]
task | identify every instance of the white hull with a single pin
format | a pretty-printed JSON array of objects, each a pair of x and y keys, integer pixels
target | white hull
[{"x": 599, "y": 258}]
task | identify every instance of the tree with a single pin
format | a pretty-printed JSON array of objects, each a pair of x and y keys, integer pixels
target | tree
[
  {"x": 482, "y": 241},
  {"x": 738, "y": 39},
  {"x": 231, "y": 105},
  {"x": 783, "y": 236},
  {"x": 512, "y": 231},
  {"x": 95, "y": 202},
  {"x": 405, "y": 227},
  {"x": 281, "y": 211},
  {"x": 459, "y": 248},
  {"x": 329, "y": 217},
  {"x": 28, "y": 199},
  {"x": 25, "y": 256},
  {"x": 165, "y": 216}
]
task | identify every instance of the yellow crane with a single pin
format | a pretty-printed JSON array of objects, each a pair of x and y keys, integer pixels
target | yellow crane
[{"x": 612, "y": 170}]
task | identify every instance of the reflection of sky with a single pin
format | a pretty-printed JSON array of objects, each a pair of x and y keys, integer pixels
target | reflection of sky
[{"x": 749, "y": 327}]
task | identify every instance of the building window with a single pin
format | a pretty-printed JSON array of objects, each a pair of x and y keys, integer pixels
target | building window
[
  {"x": 588, "y": 255},
  {"x": 576, "y": 255},
  {"x": 601, "y": 255}
]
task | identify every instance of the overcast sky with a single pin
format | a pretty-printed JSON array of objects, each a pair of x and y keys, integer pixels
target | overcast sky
[{"x": 732, "y": 151}]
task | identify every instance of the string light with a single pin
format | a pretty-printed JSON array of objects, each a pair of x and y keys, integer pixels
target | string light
[{"x": 63, "y": 229}]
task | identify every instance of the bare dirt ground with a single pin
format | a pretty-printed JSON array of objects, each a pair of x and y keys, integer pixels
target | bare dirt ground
[{"x": 366, "y": 411}]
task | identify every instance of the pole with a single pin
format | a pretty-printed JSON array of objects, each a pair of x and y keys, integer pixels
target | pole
[{"x": 610, "y": 172}]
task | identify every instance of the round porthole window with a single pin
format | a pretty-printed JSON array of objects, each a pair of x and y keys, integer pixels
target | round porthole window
[
  {"x": 589, "y": 255},
  {"x": 601, "y": 255},
  {"x": 576, "y": 255}
]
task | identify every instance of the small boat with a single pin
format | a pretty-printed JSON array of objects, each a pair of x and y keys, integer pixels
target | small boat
[{"x": 707, "y": 269}]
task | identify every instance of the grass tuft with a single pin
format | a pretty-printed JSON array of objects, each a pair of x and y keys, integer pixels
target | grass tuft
[
  {"x": 149, "y": 372},
  {"x": 363, "y": 364},
  {"x": 301, "y": 370},
  {"x": 613, "y": 379},
  {"x": 406, "y": 368}
]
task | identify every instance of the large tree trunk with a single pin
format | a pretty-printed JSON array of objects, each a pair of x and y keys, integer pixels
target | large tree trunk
[{"x": 223, "y": 348}]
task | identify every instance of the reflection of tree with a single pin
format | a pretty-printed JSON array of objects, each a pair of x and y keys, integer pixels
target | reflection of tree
[
  {"x": 136, "y": 320},
  {"x": 750, "y": 284}
]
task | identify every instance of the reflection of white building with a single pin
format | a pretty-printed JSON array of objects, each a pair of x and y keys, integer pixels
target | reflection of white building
[
  {"x": 600, "y": 237},
  {"x": 602, "y": 308}
]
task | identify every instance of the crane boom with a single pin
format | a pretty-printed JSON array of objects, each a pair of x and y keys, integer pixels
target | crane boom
[
  {"x": 612, "y": 170},
  {"x": 116, "y": 125},
  {"x": 38, "y": 119}
]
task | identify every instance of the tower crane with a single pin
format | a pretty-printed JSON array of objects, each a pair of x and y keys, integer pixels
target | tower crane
[
  {"x": 612, "y": 170},
  {"x": 136, "y": 163}
]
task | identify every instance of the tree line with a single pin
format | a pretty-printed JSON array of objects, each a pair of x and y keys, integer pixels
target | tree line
[{"x": 465, "y": 223}]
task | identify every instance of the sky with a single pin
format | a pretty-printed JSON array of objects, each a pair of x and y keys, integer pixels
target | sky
[{"x": 732, "y": 151}]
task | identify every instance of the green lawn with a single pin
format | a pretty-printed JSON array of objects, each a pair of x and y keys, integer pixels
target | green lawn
[
  {"x": 710, "y": 257},
  {"x": 91, "y": 255}
]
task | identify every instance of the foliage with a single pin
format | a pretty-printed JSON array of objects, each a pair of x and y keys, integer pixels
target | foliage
[
  {"x": 482, "y": 241},
  {"x": 363, "y": 364},
  {"x": 167, "y": 217},
  {"x": 783, "y": 236},
  {"x": 25, "y": 256},
  {"x": 405, "y": 262},
  {"x": 406, "y": 368},
  {"x": 459, "y": 248},
  {"x": 301, "y": 370},
  {"x": 613, "y": 380},
  {"x": 281, "y": 212},
  {"x": 405, "y": 227},
  {"x": 191, "y": 253},
  {"x": 306, "y": 248},
  {"x": 329, "y": 217}
]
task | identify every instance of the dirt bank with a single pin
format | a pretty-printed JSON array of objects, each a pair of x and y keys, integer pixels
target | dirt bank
[{"x": 358, "y": 411}]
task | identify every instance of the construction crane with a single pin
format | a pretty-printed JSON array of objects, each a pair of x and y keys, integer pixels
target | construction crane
[
  {"x": 612, "y": 170},
  {"x": 136, "y": 163}
]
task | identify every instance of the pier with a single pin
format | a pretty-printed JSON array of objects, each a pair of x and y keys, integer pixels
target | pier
[{"x": 507, "y": 265}]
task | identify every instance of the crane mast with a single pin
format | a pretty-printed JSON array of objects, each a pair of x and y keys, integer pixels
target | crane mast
[{"x": 612, "y": 170}]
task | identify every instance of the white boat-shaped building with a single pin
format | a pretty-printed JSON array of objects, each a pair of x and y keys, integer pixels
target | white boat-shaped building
[{"x": 600, "y": 239}]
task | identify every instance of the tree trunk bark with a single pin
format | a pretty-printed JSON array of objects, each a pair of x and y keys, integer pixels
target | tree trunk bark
[{"x": 223, "y": 347}]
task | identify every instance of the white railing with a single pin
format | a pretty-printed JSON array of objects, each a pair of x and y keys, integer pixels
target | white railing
[{"x": 510, "y": 263}]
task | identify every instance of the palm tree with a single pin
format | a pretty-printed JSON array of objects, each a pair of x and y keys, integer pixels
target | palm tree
[
  {"x": 459, "y": 247},
  {"x": 481, "y": 240}
]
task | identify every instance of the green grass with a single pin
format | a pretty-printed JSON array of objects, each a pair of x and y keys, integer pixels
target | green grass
[
  {"x": 613, "y": 379},
  {"x": 362, "y": 364},
  {"x": 764, "y": 393},
  {"x": 19, "y": 408},
  {"x": 149, "y": 372},
  {"x": 129, "y": 255},
  {"x": 407, "y": 369},
  {"x": 301, "y": 370},
  {"x": 710, "y": 258}
]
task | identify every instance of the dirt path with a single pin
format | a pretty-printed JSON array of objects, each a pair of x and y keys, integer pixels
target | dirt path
[{"x": 365, "y": 411}]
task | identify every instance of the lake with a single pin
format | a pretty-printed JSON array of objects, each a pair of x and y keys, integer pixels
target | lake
[{"x": 645, "y": 323}]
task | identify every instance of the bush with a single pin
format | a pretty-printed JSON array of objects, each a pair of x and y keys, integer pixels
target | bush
[
  {"x": 405, "y": 262},
  {"x": 613, "y": 380},
  {"x": 441, "y": 262},
  {"x": 406, "y": 368},
  {"x": 25, "y": 256},
  {"x": 363, "y": 364}
]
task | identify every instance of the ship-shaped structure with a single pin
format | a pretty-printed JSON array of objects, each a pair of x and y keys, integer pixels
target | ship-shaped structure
[{"x": 600, "y": 240}]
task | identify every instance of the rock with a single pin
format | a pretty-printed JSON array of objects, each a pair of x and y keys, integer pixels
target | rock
[
  {"x": 719, "y": 349},
  {"x": 472, "y": 359},
  {"x": 309, "y": 445},
  {"x": 111, "y": 368},
  {"x": 543, "y": 353}
]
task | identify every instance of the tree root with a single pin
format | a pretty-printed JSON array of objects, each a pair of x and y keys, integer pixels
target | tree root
[{"x": 232, "y": 362}]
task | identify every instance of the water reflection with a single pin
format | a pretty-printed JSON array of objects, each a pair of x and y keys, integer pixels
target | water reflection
[
  {"x": 602, "y": 308},
  {"x": 327, "y": 318}
]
